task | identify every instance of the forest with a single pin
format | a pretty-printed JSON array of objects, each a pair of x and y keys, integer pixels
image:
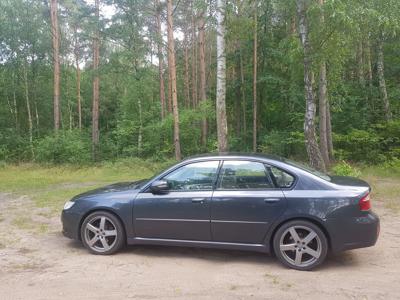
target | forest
[{"x": 89, "y": 81}]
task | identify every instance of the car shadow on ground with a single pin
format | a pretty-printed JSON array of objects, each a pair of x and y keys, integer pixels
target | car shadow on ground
[
  {"x": 333, "y": 261},
  {"x": 347, "y": 259}
]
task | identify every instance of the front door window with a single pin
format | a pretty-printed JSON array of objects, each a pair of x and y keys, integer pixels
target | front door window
[{"x": 199, "y": 176}]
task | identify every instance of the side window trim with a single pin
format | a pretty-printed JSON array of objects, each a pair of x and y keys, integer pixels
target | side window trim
[{"x": 267, "y": 174}]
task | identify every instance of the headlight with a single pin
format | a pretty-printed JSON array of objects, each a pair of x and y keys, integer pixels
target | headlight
[{"x": 68, "y": 205}]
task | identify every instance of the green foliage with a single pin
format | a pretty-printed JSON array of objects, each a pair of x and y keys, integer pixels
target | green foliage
[
  {"x": 286, "y": 144},
  {"x": 378, "y": 144},
  {"x": 345, "y": 169},
  {"x": 13, "y": 146},
  {"x": 358, "y": 145},
  {"x": 64, "y": 147},
  {"x": 130, "y": 110}
]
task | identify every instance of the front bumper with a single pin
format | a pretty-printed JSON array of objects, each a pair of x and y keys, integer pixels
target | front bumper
[
  {"x": 355, "y": 232},
  {"x": 70, "y": 224}
]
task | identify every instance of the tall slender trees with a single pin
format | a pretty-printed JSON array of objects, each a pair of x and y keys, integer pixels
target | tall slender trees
[
  {"x": 258, "y": 95},
  {"x": 78, "y": 76},
  {"x": 28, "y": 109},
  {"x": 255, "y": 79},
  {"x": 194, "y": 56},
  {"x": 313, "y": 151},
  {"x": 381, "y": 77},
  {"x": 160, "y": 58},
  {"x": 56, "y": 62},
  {"x": 172, "y": 76},
  {"x": 202, "y": 67},
  {"x": 222, "y": 127},
  {"x": 96, "y": 82},
  {"x": 323, "y": 103}
]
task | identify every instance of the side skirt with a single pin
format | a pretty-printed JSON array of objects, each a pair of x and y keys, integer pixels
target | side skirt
[{"x": 199, "y": 244}]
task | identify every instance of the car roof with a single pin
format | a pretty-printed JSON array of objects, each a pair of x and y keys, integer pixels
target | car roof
[{"x": 234, "y": 155}]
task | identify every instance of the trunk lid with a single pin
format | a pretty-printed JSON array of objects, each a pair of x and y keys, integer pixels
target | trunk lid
[{"x": 348, "y": 181}]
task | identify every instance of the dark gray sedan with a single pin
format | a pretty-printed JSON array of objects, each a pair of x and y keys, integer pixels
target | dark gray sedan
[{"x": 236, "y": 201}]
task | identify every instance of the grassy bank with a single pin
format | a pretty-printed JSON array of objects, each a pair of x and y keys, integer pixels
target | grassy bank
[{"x": 51, "y": 186}]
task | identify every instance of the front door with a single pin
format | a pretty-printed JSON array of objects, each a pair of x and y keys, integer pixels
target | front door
[
  {"x": 184, "y": 212},
  {"x": 245, "y": 203}
]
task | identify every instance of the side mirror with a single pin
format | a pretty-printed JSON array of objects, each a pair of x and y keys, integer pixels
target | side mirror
[{"x": 159, "y": 187}]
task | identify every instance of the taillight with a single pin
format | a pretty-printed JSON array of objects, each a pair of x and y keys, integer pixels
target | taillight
[{"x": 365, "y": 203}]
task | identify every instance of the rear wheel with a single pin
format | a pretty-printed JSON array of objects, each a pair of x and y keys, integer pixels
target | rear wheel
[
  {"x": 102, "y": 233},
  {"x": 300, "y": 245}
]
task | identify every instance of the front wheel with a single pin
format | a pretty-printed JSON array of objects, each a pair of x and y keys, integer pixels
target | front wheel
[
  {"x": 102, "y": 233},
  {"x": 300, "y": 245}
]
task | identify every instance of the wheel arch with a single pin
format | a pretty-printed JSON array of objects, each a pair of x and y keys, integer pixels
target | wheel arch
[
  {"x": 97, "y": 209},
  {"x": 315, "y": 221}
]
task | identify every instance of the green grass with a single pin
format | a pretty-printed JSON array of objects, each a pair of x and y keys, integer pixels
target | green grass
[
  {"x": 385, "y": 182},
  {"x": 51, "y": 186}
]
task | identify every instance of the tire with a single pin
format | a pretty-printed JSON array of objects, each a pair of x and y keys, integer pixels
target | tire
[
  {"x": 102, "y": 233},
  {"x": 300, "y": 245}
]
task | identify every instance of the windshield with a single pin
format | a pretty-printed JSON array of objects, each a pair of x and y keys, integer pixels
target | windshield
[{"x": 308, "y": 169}]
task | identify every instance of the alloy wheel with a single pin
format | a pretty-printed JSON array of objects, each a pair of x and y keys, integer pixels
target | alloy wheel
[
  {"x": 300, "y": 246},
  {"x": 100, "y": 234}
]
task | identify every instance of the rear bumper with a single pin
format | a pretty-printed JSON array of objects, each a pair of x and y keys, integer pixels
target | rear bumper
[
  {"x": 355, "y": 232},
  {"x": 70, "y": 224}
]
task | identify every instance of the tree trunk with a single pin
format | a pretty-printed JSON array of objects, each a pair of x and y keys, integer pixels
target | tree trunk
[
  {"x": 78, "y": 78},
  {"x": 368, "y": 62},
  {"x": 382, "y": 83},
  {"x": 323, "y": 107},
  {"x": 56, "y": 63},
  {"x": 28, "y": 109},
  {"x": 15, "y": 102},
  {"x": 313, "y": 151},
  {"x": 140, "y": 131},
  {"x": 323, "y": 103},
  {"x": 160, "y": 59},
  {"x": 36, "y": 116},
  {"x": 96, "y": 82},
  {"x": 194, "y": 60},
  {"x": 329, "y": 132},
  {"x": 244, "y": 106},
  {"x": 222, "y": 127},
  {"x": 186, "y": 54},
  {"x": 169, "y": 93},
  {"x": 202, "y": 65},
  {"x": 172, "y": 71},
  {"x": 255, "y": 80},
  {"x": 237, "y": 111},
  {"x": 360, "y": 64}
]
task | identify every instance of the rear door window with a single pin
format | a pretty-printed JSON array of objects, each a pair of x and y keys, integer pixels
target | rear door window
[{"x": 244, "y": 175}]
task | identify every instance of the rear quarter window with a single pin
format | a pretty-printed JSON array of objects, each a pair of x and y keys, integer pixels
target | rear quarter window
[{"x": 282, "y": 178}]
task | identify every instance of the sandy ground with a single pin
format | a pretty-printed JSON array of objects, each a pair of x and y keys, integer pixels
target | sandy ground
[{"x": 37, "y": 262}]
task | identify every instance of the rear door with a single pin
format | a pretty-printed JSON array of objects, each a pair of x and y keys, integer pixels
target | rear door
[{"x": 245, "y": 202}]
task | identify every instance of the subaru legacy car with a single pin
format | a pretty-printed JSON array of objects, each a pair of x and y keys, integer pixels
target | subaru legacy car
[{"x": 232, "y": 201}]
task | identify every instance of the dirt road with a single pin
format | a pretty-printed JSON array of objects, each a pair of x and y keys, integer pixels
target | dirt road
[{"x": 37, "y": 262}]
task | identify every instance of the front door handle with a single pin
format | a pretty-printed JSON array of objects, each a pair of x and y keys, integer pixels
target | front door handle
[
  {"x": 272, "y": 200},
  {"x": 198, "y": 200}
]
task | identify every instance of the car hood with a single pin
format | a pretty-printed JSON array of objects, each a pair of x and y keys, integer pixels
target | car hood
[{"x": 119, "y": 187}]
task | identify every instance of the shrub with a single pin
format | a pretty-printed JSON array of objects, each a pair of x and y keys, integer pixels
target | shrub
[
  {"x": 345, "y": 169},
  {"x": 64, "y": 147},
  {"x": 358, "y": 145}
]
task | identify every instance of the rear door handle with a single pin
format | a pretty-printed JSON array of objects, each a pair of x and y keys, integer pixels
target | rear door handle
[
  {"x": 198, "y": 200},
  {"x": 272, "y": 200}
]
